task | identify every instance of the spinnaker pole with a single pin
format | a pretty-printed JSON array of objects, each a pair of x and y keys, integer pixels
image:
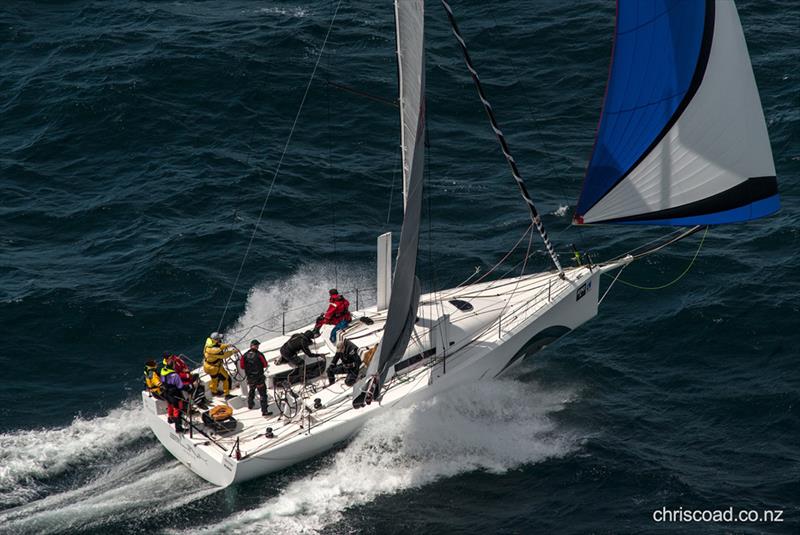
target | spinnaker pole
[{"x": 537, "y": 221}]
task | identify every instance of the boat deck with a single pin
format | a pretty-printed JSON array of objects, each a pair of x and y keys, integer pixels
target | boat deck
[{"x": 461, "y": 334}]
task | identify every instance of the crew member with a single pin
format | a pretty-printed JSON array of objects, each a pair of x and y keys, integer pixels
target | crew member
[
  {"x": 190, "y": 380},
  {"x": 338, "y": 313},
  {"x": 347, "y": 353},
  {"x": 214, "y": 355},
  {"x": 290, "y": 351},
  {"x": 173, "y": 389},
  {"x": 254, "y": 363},
  {"x": 151, "y": 379}
]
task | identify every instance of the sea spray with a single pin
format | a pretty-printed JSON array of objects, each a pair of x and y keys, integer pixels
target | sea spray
[
  {"x": 495, "y": 426},
  {"x": 296, "y": 301}
]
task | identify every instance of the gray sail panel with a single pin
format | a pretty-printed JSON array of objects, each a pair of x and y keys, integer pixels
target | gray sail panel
[
  {"x": 404, "y": 300},
  {"x": 410, "y": 27}
]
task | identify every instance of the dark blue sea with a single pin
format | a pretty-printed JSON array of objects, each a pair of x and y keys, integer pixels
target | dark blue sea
[{"x": 138, "y": 141}]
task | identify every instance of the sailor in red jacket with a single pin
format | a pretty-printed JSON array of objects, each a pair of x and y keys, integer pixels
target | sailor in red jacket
[
  {"x": 192, "y": 380},
  {"x": 338, "y": 314}
]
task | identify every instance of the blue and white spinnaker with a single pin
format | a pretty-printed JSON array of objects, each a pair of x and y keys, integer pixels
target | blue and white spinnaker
[{"x": 682, "y": 138}]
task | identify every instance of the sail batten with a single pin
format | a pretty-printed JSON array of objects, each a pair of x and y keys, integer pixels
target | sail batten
[{"x": 682, "y": 136}]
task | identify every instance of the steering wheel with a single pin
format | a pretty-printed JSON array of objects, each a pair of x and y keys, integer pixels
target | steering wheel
[
  {"x": 286, "y": 399},
  {"x": 231, "y": 367}
]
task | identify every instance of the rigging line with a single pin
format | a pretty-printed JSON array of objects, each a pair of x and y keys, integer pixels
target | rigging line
[
  {"x": 333, "y": 206},
  {"x": 331, "y": 197},
  {"x": 679, "y": 277},
  {"x": 516, "y": 286},
  {"x": 676, "y": 239},
  {"x": 612, "y": 283},
  {"x": 534, "y": 119},
  {"x": 278, "y": 167},
  {"x": 391, "y": 189},
  {"x": 677, "y": 235},
  {"x": 502, "y": 260},
  {"x": 433, "y": 274},
  {"x": 534, "y": 214}
]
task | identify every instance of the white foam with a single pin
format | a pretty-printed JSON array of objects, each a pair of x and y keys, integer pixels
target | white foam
[
  {"x": 118, "y": 477},
  {"x": 28, "y": 456},
  {"x": 494, "y": 426},
  {"x": 293, "y": 12},
  {"x": 561, "y": 211},
  {"x": 130, "y": 490},
  {"x": 302, "y": 296}
]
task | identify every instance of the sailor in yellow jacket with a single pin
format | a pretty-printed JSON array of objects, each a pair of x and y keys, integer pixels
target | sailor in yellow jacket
[
  {"x": 214, "y": 354},
  {"x": 151, "y": 379}
]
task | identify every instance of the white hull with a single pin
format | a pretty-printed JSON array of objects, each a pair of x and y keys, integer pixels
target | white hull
[{"x": 512, "y": 319}]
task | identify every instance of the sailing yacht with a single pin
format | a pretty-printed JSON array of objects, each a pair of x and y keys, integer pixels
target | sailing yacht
[{"x": 682, "y": 142}]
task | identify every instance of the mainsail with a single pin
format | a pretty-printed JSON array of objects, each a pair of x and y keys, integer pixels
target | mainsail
[
  {"x": 404, "y": 300},
  {"x": 682, "y": 138}
]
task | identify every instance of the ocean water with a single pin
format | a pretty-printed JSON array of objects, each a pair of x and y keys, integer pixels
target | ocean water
[{"x": 138, "y": 141}]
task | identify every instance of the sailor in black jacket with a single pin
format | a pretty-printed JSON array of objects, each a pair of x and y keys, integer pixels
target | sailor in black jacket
[{"x": 347, "y": 354}]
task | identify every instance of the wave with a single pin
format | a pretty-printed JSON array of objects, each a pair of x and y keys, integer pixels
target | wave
[
  {"x": 493, "y": 426},
  {"x": 113, "y": 475},
  {"x": 29, "y": 457}
]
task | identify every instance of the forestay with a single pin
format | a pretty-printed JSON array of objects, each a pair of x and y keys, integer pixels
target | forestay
[
  {"x": 401, "y": 317},
  {"x": 682, "y": 138}
]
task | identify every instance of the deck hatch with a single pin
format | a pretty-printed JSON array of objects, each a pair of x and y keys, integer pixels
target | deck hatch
[{"x": 462, "y": 305}]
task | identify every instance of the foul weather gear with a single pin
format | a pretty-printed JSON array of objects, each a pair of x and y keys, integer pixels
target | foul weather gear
[
  {"x": 290, "y": 351},
  {"x": 350, "y": 363},
  {"x": 338, "y": 314},
  {"x": 338, "y": 310},
  {"x": 254, "y": 363},
  {"x": 152, "y": 381},
  {"x": 191, "y": 381},
  {"x": 214, "y": 355},
  {"x": 173, "y": 394}
]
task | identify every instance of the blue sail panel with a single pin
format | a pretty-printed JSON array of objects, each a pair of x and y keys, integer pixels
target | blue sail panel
[
  {"x": 658, "y": 48},
  {"x": 754, "y": 210}
]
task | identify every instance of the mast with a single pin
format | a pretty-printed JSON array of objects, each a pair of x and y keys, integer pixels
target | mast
[{"x": 537, "y": 221}]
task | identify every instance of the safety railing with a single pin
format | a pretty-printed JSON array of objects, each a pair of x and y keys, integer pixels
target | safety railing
[{"x": 282, "y": 322}]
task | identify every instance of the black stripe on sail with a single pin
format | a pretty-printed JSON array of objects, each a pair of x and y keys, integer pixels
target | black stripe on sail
[
  {"x": 502, "y": 140},
  {"x": 751, "y": 190},
  {"x": 694, "y": 85}
]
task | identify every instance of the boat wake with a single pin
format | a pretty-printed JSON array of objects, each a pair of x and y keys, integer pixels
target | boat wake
[
  {"x": 91, "y": 473},
  {"x": 494, "y": 426},
  {"x": 109, "y": 474}
]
